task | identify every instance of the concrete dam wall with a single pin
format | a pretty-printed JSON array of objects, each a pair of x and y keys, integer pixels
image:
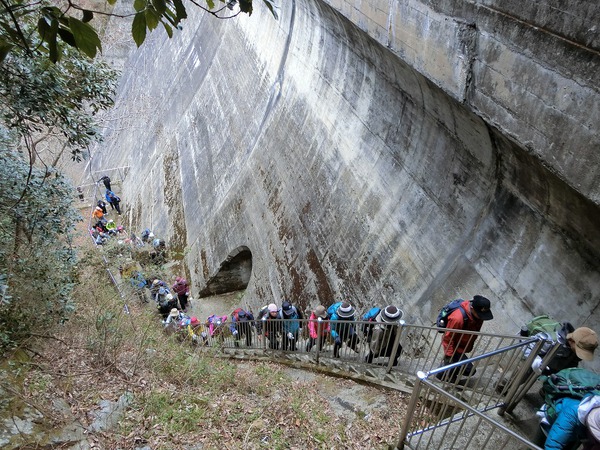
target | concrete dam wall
[{"x": 320, "y": 157}]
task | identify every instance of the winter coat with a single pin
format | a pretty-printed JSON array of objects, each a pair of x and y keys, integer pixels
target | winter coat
[
  {"x": 272, "y": 327},
  {"x": 383, "y": 338},
  {"x": 181, "y": 287},
  {"x": 314, "y": 328},
  {"x": 111, "y": 197},
  {"x": 461, "y": 343},
  {"x": 568, "y": 426},
  {"x": 341, "y": 330},
  {"x": 241, "y": 325},
  {"x": 291, "y": 323}
]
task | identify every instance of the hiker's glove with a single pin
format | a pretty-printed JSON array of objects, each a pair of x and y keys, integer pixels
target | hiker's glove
[
  {"x": 536, "y": 365},
  {"x": 235, "y": 332},
  {"x": 338, "y": 341},
  {"x": 290, "y": 336}
]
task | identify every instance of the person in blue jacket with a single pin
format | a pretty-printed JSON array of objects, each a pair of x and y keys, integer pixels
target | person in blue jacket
[
  {"x": 290, "y": 325},
  {"x": 114, "y": 200},
  {"x": 342, "y": 331},
  {"x": 575, "y": 421}
]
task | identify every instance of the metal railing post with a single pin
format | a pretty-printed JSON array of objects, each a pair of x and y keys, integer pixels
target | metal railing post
[
  {"x": 264, "y": 332},
  {"x": 410, "y": 410}
]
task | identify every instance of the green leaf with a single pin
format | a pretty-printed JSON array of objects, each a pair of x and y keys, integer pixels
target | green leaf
[
  {"x": 87, "y": 15},
  {"x": 138, "y": 28},
  {"x": 246, "y": 6},
  {"x": 86, "y": 38},
  {"x": 43, "y": 28},
  {"x": 151, "y": 19},
  {"x": 52, "y": 44},
  {"x": 210, "y": 4},
  {"x": 168, "y": 29},
  {"x": 111, "y": 2},
  {"x": 271, "y": 7},
  {"x": 139, "y": 5},
  {"x": 180, "y": 10},
  {"x": 160, "y": 6},
  {"x": 67, "y": 37}
]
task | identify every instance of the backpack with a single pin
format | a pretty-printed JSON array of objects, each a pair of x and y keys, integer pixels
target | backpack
[
  {"x": 574, "y": 382},
  {"x": 333, "y": 309},
  {"x": 448, "y": 309},
  {"x": 369, "y": 316},
  {"x": 543, "y": 324},
  {"x": 235, "y": 314}
]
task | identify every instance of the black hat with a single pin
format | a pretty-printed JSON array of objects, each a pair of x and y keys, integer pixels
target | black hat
[
  {"x": 242, "y": 315},
  {"x": 287, "y": 309},
  {"x": 391, "y": 314},
  {"x": 481, "y": 306}
]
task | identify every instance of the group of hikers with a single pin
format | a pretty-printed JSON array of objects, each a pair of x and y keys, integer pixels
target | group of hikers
[
  {"x": 570, "y": 416},
  {"x": 102, "y": 228},
  {"x": 569, "y": 419},
  {"x": 281, "y": 326}
]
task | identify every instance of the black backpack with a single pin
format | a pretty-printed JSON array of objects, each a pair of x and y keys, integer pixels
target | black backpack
[{"x": 442, "y": 318}]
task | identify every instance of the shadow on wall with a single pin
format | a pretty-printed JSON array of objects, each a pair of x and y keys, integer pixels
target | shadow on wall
[{"x": 233, "y": 275}]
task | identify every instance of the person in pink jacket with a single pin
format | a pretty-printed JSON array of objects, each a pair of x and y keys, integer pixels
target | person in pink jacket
[{"x": 317, "y": 328}]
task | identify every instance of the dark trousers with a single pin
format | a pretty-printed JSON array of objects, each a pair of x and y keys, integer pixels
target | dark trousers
[
  {"x": 116, "y": 206},
  {"x": 458, "y": 372},
  {"x": 386, "y": 352},
  {"x": 313, "y": 341},
  {"x": 351, "y": 341},
  {"x": 243, "y": 329},
  {"x": 290, "y": 344},
  {"x": 183, "y": 300}
]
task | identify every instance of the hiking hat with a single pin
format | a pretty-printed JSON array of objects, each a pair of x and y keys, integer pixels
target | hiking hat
[
  {"x": 586, "y": 342},
  {"x": 242, "y": 315},
  {"x": 272, "y": 307},
  {"x": 174, "y": 312},
  {"x": 194, "y": 321},
  {"x": 321, "y": 312},
  {"x": 162, "y": 291},
  {"x": 345, "y": 311},
  {"x": 169, "y": 296},
  {"x": 391, "y": 314},
  {"x": 287, "y": 309},
  {"x": 481, "y": 306},
  {"x": 155, "y": 282}
]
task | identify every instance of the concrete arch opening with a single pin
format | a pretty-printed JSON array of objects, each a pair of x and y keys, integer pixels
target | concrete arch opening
[{"x": 233, "y": 274}]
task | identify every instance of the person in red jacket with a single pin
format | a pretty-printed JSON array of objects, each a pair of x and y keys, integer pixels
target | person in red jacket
[{"x": 470, "y": 316}]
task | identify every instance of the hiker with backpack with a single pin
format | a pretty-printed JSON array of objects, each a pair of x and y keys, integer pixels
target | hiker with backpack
[
  {"x": 102, "y": 206},
  {"x": 340, "y": 315},
  {"x": 290, "y": 326},
  {"x": 468, "y": 315},
  {"x": 572, "y": 409},
  {"x": 384, "y": 334},
  {"x": 182, "y": 289},
  {"x": 106, "y": 181},
  {"x": 269, "y": 315},
  {"x": 318, "y": 330},
  {"x": 114, "y": 200},
  {"x": 575, "y": 344},
  {"x": 241, "y": 325}
]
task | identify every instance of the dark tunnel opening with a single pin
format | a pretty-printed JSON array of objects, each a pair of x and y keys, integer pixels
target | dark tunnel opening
[{"x": 233, "y": 275}]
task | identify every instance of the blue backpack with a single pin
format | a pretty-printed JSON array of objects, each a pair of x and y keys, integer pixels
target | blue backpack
[
  {"x": 442, "y": 318},
  {"x": 369, "y": 316}
]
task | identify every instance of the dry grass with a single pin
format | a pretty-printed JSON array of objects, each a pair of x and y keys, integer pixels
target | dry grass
[{"x": 183, "y": 398}]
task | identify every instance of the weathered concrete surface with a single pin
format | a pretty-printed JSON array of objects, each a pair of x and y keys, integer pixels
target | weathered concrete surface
[{"x": 346, "y": 172}]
